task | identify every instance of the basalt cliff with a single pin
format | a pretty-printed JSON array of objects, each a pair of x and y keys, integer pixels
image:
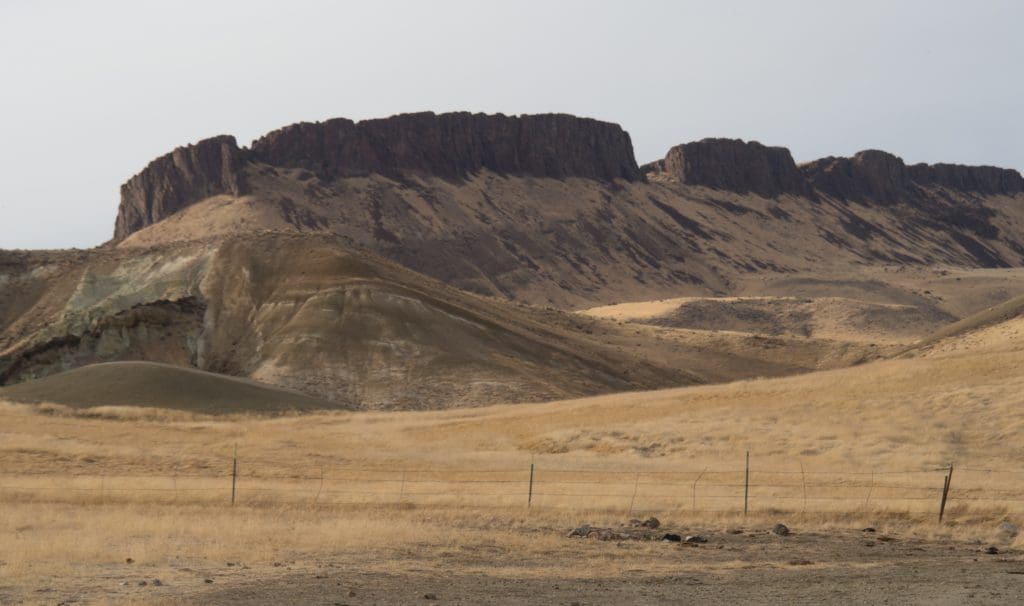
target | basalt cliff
[{"x": 554, "y": 209}]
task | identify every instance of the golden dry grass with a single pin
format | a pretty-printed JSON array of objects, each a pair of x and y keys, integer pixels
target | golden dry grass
[{"x": 912, "y": 415}]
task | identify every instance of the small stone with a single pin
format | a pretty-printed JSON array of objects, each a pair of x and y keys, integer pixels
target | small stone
[
  {"x": 735, "y": 531},
  {"x": 351, "y": 593},
  {"x": 1008, "y": 529},
  {"x": 800, "y": 562},
  {"x": 143, "y": 583},
  {"x": 430, "y": 596},
  {"x": 674, "y": 538},
  {"x": 157, "y": 582},
  {"x": 651, "y": 523},
  {"x": 207, "y": 580},
  {"x": 868, "y": 529},
  {"x": 696, "y": 538},
  {"x": 780, "y": 529},
  {"x": 128, "y": 561},
  {"x": 992, "y": 550}
]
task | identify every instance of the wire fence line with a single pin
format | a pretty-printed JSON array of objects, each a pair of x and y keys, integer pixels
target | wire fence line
[{"x": 705, "y": 490}]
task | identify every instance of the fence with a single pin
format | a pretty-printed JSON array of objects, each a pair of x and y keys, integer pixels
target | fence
[{"x": 748, "y": 489}]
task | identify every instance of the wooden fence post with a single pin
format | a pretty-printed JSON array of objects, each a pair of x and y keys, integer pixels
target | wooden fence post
[
  {"x": 803, "y": 481},
  {"x": 529, "y": 494},
  {"x": 636, "y": 487},
  {"x": 871, "y": 488},
  {"x": 699, "y": 476},
  {"x": 746, "y": 485},
  {"x": 321, "y": 487},
  {"x": 234, "y": 474},
  {"x": 945, "y": 492}
]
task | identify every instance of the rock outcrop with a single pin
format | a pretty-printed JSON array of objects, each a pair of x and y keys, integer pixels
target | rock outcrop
[
  {"x": 986, "y": 180},
  {"x": 455, "y": 145},
  {"x": 451, "y": 146},
  {"x": 868, "y": 175},
  {"x": 172, "y": 182},
  {"x": 879, "y": 176},
  {"x": 735, "y": 165}
]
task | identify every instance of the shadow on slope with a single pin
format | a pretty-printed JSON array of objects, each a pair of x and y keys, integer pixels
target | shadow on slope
[{"x": 151, "y": 385}]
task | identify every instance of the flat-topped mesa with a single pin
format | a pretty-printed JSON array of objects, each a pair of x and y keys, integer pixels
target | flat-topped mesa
[
  {"x": 454, "y": 146},
  {"x": 184, "y": 176},
  {"x": 735, "y": 165},
  {"x": 988, "y": 180},
  {"x": 873, "y": 175}
]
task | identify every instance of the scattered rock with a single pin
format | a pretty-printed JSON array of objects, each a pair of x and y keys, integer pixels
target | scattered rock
[
  {"x": 651, "y": 523},
  {"x": 992, "y": 550},
  {"x": 603, "y": 534},
  {"x": 800, "y": 562},
  {"x": 143, "y": 583},
  {"x": 207, "y": 580},
  {"x": 351, "y": 593},
  {"x": 735, "y": 531},
  {"x": 230, "y": 563},
  {"x": 696, "y": 538},
  {"x": 780, "y": 529},
  {"x": 157, "y": 582},
  {"x": 128, "y": 561},
  {"x": 430, "y": 596},
  {"x": 868, "y": 529},
  {"x": 674, "y": 538}
]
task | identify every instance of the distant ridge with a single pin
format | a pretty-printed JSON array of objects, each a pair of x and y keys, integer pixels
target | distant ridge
[{"x": 458, "y": 145}]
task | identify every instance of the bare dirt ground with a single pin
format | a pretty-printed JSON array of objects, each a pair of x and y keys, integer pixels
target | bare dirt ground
[
  {"x": 814, "y": 568},
  {"x": 744, "y": 562}
]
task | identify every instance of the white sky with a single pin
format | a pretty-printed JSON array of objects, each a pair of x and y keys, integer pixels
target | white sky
[{"x": 90, "y": 92}]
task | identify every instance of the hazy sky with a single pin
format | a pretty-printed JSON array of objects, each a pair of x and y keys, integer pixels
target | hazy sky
[{"x": 90, "y": 92}]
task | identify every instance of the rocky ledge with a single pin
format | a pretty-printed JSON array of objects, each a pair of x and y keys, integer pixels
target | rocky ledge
[
  {"x": 178, "y": 179},
  {"x": 454, "y": 146},
  {"x": 450, "y": 146},
  {"x": 735, "y": 165},
  {"x": 870, "y": 175}
]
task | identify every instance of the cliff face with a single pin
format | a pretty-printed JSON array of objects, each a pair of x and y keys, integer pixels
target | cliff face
[
  {"x": 456, "y": 146},
  {"x": 178, "y": 179},
  {"x": 869, "y": 176},
  {"x": 987, "y": 180},
  {"x": 453, "y": 146},
  {"x": 735, "y": 165},
  {"x": 882, "y": 177},
  {"x": 450, "y": 146}
]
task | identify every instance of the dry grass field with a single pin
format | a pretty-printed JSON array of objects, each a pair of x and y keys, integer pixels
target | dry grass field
[{"x": 410, "y": 498}]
